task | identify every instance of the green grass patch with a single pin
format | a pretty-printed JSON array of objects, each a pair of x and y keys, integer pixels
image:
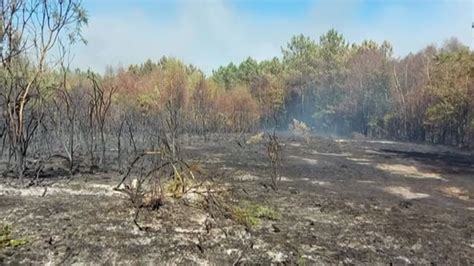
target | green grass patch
[
  {"x": 6, "y": 240},
  {"x": 251, "y": 214}
]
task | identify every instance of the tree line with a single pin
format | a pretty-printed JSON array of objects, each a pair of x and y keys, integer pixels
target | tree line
[
  {"x": 49, "y": 110},
  {"x": 331, "y": 85}
]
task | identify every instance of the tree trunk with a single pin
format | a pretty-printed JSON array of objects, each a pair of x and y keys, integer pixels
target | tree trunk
[
  {"x": 102, "y": 141},
  {"x": 71, "y": 148},
  {"x": 119, "y": 146},
  {"x": 20, "y": 164}
]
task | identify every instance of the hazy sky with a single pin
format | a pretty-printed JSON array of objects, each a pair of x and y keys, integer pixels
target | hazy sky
[{"x": 209, "y": 33}]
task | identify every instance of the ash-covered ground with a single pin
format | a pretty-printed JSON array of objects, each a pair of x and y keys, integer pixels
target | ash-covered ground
[{"x": 339, "y": 201}]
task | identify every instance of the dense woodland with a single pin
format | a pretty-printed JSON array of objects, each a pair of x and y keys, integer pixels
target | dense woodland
[{"x": 330, "y": 84}]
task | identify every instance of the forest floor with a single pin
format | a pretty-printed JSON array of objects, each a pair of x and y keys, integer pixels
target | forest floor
[{"x": 340, "y": 201}]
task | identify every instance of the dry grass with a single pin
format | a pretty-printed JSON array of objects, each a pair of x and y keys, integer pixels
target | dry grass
[
  {"x": 455, "y": 192},
  {"x": 408, "y": 171},
  {"x": 299, "y": 128},
  {"x": 257, "y": 138},
  {"x": 405, "y": 192}
]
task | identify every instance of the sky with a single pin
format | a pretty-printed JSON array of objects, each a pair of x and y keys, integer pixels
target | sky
[{"x": 210, "y": 33}]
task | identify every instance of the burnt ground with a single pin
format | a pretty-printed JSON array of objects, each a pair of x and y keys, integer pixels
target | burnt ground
[{"x": 340, "y": 201}]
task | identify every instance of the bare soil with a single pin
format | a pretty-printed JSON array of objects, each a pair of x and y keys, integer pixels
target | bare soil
[{"x": 340, "y": 201}]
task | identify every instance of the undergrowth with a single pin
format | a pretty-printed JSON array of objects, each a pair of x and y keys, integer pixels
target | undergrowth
[
  {"x": 251, "y": 214},
  {"x": 6, "y": 240}
]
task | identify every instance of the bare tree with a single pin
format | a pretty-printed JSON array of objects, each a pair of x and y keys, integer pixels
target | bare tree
[
  {"x": 64, "y": 120},
  {"x": 119, "y": 121},
  {"x": 202, "y": 107},
  {"x": 274, "y": 156},
  {"x": 101, "y": 99},
  {"x": 29, "y": 32}
]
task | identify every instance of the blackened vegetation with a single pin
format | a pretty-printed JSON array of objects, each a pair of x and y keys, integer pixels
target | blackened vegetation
[
  {"x": 339, "y": 214},
  {"x": 166, "y": 166},
  {"x": 349, "y": 201},
  {"x": 99, "y": 107},
  {"x": 454, "y": 163},
  {"x": 29, "y": 32},
  {"x": 274, "y": 156}
]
